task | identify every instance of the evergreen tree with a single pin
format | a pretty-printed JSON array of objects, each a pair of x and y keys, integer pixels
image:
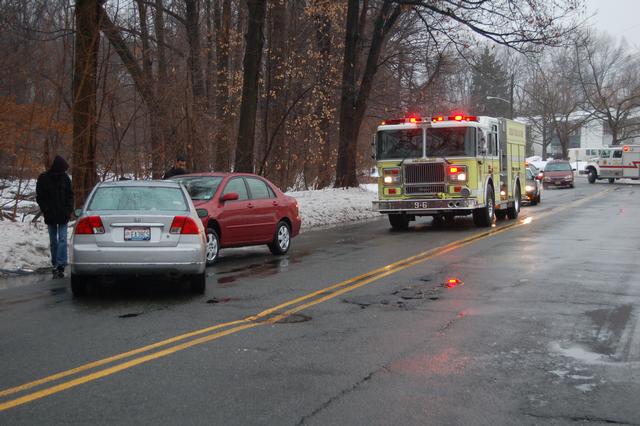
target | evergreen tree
[{"x": 490, "y": 79}]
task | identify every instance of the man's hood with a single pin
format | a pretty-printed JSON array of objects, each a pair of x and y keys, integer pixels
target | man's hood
[{"x": 59, "y": 165}]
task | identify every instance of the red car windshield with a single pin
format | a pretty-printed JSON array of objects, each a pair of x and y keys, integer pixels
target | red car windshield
[
  {"x": 200, "y": 188},
  {"x": 557, "y": 167}
]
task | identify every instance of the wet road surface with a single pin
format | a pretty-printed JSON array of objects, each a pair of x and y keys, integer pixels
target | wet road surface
[{"x": 355, "y": 326}]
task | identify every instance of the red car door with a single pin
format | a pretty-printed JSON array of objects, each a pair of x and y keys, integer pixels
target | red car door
[
  {"x": 237, "y": 218},
  {"x": 266, "y": 208}
]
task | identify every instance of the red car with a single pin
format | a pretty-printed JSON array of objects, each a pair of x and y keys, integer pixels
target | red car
[
  {"x": 558, "y": 173},
  {"x": 242, "y": 209}
]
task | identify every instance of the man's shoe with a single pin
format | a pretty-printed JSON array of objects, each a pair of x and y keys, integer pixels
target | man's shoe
[{"x": 60, "y": 272}]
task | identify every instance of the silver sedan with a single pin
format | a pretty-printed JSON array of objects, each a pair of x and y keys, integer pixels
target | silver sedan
[{"x": 140, "y": 228}]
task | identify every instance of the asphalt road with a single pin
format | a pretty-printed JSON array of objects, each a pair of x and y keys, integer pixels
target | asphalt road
[{"x": 354, "y": 326}]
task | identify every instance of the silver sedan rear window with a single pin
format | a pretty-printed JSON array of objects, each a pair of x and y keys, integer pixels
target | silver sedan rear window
[{"x": 144, "y": 198}]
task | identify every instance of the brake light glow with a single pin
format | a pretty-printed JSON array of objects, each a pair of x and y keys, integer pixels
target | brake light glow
[
  {"x": 89, "y": 225},
  {"x": 183, "y": 225}
]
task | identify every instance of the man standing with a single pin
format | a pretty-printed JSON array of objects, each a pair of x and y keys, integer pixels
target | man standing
[
  {"x": 55, "y": 198},
  {"x": 179, "y": 168}
]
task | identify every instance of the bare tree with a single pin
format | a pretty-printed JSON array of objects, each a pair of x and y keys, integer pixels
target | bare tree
[
  {"x": 611, "y": 84},
  {"x": 252, "y": 57},
  {"x": 222, "y": 26},
  {"x": 84, "y": 98},
  {"x": 522, "y": 25},
  {"x": 353, "y": 101}
]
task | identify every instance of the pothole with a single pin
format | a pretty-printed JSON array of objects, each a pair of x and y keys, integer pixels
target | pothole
[
  {"x": 222, "y": 300},
  {"x": 294, "y": 318},
  {"x": 289, "y": 319},
  {"x": 130, "y": 315}
]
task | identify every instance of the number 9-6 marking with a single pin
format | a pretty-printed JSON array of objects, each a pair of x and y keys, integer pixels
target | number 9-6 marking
[{"x": 421, "y": 205}]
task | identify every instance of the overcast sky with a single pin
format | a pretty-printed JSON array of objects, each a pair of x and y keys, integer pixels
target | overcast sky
[{"x": 617, "y": 17}]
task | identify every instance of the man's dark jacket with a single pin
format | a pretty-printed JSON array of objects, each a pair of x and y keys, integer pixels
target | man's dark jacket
[
  {"x": 174, "y": 171},
  {"x": 54, "y": 194}
]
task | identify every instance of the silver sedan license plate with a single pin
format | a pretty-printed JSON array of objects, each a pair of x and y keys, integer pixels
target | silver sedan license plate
[{"x": 141, "y": 233}]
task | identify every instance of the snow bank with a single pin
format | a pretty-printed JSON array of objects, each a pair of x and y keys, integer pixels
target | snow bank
[
  {"x": 334, "y": 206},
  {"x": 25, "y": 246}
]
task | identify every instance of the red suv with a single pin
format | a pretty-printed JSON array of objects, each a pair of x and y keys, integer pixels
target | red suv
[{"x": 242, "y": 209}]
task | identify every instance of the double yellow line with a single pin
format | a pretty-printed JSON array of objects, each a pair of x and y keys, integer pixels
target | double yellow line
[{"x": 273, "y": 315}]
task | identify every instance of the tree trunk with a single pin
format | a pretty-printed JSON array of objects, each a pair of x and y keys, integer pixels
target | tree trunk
[
  {"x": 277, "y": 90},
  {"x": 85, "y": 72},
  {"x": 248, "y": 106},
  {"x": 152, "y": 110},
  {"x": 199, "y": 149},
  {"x": 325, "y": 167},
  {"x": 345, "y": 166},
  {"x": 162, "y": 85},
  {"x": 222, "y": 23},
  {"x": 353, "y": 102}
]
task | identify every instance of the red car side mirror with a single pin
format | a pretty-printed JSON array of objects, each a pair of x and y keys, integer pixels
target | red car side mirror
[{"x": 231, "y": 196}]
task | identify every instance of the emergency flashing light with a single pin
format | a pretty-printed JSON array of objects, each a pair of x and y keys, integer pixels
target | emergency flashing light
[
  {"x": 453, "y": 170},
  {"x": 626, "y": 148},
  {"x": 457, "y": 117},
  {"x": 410, "y": 119}
]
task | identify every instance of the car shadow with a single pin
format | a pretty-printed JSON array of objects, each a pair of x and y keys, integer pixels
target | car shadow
[{"x": 106, "y": 290}]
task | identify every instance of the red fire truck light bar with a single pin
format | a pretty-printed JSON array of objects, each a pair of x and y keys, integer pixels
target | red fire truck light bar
[
  {"x": 411, "y": 119},
  {"x": 459, "y": 117}
]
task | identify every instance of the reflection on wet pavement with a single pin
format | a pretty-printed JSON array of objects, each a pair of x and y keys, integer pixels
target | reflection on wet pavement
[{"x": 257, "y": 270}]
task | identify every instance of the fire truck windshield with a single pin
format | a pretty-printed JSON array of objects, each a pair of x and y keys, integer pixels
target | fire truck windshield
[
  {"x": 451, "y": 142},
  {"x": 399, "y": 144}
]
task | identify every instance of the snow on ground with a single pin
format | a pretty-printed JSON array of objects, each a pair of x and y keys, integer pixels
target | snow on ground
[
  {"x": 330, "y": 207},
  {"x": 25, "y": 246}
]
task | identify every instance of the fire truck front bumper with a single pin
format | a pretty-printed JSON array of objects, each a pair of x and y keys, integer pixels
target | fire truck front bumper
[{"x": 424, "y": 206}]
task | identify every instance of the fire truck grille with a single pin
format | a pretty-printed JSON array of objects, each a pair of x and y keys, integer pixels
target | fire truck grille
[
  {"x": 424, "y": 173},
  {"x": 425, "y": 189}
]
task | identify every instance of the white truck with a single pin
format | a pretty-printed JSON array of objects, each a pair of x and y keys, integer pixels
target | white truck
[{"x": 621, "y": 162}]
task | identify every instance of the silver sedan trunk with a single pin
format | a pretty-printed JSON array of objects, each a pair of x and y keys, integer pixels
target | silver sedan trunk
[{"x": 138, "y": 227}]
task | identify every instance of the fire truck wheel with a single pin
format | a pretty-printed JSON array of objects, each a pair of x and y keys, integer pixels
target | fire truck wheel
[
  {"x": 399, "y": 222},
  {"x": 483, "y": 216},
  {"x": 592, "y": 175},
  {"x": 501, "y": 214},
  {"x": 514, "y": 210}
]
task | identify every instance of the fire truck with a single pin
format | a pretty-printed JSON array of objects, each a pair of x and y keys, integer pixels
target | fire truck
[
  {"x": 449, "y": 166},
  {"x": 615, "y": 163}
]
